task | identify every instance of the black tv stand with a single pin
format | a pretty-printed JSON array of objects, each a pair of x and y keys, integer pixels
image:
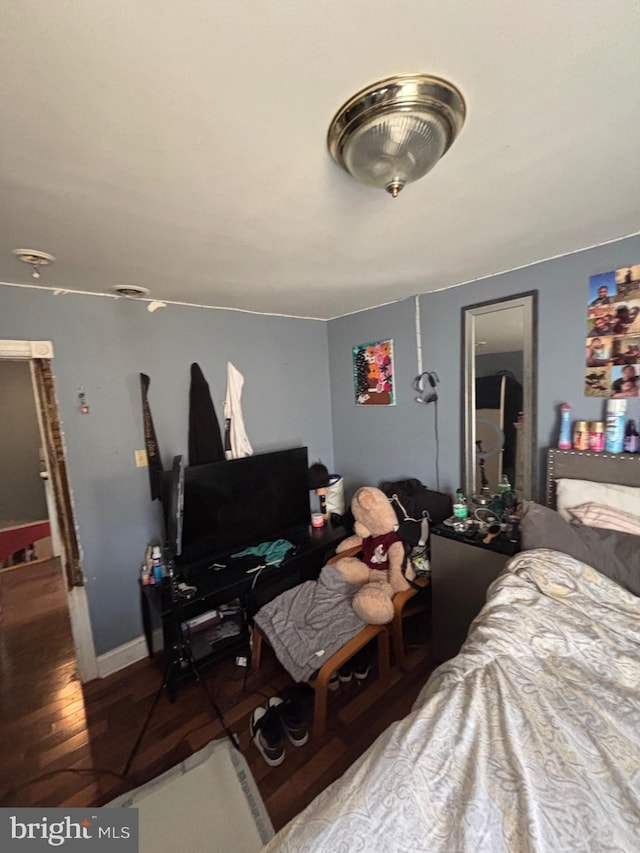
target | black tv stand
[{"x": 163, "y": 616}]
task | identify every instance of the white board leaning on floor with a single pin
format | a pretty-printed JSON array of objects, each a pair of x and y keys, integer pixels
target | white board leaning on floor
[{"x": 208, "y": 802}]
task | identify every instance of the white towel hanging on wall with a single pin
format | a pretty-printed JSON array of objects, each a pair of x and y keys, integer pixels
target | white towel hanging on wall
[{"x": 236, "y": 443}]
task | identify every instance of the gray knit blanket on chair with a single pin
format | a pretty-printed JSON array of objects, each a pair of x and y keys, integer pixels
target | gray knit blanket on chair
[{"x": 306, "y": 625}]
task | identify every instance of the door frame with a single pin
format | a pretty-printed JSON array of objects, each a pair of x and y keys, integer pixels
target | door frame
[{"x": 34, "y": 352}]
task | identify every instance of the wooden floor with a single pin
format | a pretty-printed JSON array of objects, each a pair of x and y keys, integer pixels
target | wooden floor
[{"x": 50, "y": 724}]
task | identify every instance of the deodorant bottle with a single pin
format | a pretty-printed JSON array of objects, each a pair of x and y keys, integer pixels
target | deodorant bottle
[
  {"x": 631, "y": 438},
  {"x": 614, "y": 441},
  {"x": 564, "y": 439}
]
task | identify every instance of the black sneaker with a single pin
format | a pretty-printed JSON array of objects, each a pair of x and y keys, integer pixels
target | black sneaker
[
  {"x": 266, "y": 732},
  {"x": 361, "y": 671},
  {"x": 291, "y": 716},
  {"x": 345, "y": 673},
  {"x": 333, "y": 683},
  {"x": 361, "y": 665}
]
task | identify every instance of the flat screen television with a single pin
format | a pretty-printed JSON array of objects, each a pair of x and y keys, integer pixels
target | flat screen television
[{"x": 236, "y": 503}]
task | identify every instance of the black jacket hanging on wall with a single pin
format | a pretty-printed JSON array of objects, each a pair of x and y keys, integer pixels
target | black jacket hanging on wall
[{"x": 205, "y": 438}]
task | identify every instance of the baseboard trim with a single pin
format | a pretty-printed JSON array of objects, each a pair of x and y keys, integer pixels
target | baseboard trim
[{"x": 122, "y": 657}]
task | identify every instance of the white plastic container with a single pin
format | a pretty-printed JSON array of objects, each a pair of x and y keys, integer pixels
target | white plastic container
[
  {"x": 335, "y": 494},
  {"x": 616, "y": 411}
]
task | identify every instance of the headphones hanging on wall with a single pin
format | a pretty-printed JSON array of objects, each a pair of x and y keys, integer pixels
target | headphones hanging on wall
[{"x": 426, "y": 396}]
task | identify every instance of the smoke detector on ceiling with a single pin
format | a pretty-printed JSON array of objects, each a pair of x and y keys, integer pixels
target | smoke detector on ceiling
[
  {"x": 134, "y": 291},
  {"x": 35, "y": 258}
]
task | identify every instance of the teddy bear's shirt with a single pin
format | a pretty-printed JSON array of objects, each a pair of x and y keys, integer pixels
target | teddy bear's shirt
[{"x": 375, "y": 550}]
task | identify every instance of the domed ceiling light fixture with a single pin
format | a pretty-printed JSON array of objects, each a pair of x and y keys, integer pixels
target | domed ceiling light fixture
[
  {"x": 35, "y": 258},
  {"x": 395, "y": 131}
]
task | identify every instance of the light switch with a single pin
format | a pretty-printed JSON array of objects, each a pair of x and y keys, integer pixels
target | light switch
[{"x": 141, "y": 458}]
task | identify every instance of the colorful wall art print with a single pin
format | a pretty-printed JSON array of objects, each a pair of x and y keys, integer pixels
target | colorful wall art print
[
  {"x": 373, "y": 374},
  {"x": 612, "y": 359}
]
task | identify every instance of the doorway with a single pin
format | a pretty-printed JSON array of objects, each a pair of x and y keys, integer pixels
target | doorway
[
  {"x": 53, "y": 500},
  {"x": 26, "y": 534}
]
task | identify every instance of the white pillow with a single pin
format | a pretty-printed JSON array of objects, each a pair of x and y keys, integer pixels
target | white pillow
[
  {"x": 598, "y": 515},
  {"x": 572, "y": 493}
]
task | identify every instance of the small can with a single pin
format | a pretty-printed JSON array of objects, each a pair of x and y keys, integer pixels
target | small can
[
  {"x": 581, "y": 435},
  {"x": 596, "y": 436}
]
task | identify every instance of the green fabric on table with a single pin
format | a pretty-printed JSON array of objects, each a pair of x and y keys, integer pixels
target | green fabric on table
[{"x": 274, "y": 552}]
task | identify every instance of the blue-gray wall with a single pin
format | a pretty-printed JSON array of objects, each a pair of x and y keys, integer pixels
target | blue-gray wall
[
  {"x": 373, "y": 443},
  {"x": 102, "y": 344},
  {"x": 370, "y": 445}
]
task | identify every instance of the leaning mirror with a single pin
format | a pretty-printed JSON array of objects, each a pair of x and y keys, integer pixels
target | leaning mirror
[{"x": 499, "y": 340}]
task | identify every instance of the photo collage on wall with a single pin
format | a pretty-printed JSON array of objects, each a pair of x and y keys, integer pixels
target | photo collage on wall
[{"x": 613, "y": 334}]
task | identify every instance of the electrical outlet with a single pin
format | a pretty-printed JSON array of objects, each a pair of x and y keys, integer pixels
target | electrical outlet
[{"x": 141, "y": 458}]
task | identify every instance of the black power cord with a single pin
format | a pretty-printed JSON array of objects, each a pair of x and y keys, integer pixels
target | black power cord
[
  {"x": 426, "y": 397},
  {"x": 437, "y": 444}
]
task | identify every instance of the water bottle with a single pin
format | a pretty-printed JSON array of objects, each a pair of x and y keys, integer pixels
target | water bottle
[
  {"x": 614, "y": 440},
  {"x": 504, "y": 485},
  {"x": 460, "y": 512},
  {"x": 505, "y": 494},
  {"x": 564, "y": 440}
]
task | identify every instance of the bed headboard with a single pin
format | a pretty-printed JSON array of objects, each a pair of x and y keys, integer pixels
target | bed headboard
[{"x": 620, "y": 468}]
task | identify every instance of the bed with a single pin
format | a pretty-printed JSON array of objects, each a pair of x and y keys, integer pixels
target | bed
[{"x": 529, "y": 739}]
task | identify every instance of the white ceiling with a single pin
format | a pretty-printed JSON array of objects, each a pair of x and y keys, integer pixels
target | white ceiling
[{"x": 181, "y": 145}]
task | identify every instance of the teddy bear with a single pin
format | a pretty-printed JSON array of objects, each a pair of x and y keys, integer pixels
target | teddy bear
[{"x": 378, "y": 571}]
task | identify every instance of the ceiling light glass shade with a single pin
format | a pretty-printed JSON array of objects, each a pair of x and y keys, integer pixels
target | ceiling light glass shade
[{"x": 394, "y": 132}]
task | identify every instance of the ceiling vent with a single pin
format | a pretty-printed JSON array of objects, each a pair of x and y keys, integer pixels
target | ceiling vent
[{"x": 134, "y": 291}]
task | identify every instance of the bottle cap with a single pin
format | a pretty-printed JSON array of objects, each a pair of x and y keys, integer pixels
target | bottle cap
[
  {"x": 566, "y": 407},
  {"x": 155, "y": 553}
]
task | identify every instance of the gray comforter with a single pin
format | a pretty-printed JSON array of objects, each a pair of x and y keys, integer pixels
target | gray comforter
[
  {"x": 307, "y": 624},
  {"x": 528, "y": 740}
]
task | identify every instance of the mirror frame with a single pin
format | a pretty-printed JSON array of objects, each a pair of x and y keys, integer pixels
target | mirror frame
[{"x": 529, "y": 302}]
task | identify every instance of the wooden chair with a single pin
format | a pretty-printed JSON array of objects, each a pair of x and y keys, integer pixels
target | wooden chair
[
  {"x": 320, "y": 682},
  {"x": 404, "y": 606}
]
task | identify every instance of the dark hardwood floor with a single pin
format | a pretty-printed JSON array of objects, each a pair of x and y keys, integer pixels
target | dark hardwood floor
[{"x": 51, "y": 724}]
